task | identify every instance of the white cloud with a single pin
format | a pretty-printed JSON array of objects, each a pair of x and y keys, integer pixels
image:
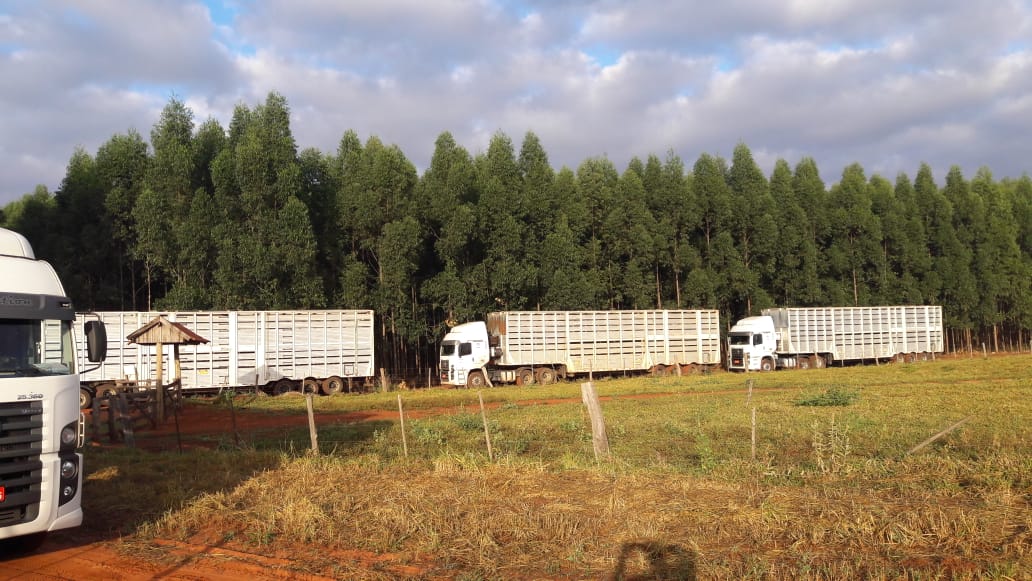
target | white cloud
[{"x": 882, "y": 83}]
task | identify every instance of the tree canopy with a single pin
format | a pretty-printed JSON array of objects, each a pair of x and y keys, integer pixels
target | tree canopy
[{"x": 206, "y": 217}]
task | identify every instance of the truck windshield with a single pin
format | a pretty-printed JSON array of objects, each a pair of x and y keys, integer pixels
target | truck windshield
[
  {"x": 739, "y": 339},
  {"x": 448, "y": 348},
  {"x": 34, "y": 347}
]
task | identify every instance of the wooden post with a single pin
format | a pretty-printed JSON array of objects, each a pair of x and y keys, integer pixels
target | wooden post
[
  {"x": 985, "y": 355},
  {"x": 160, "y": 380},
  {"x": 754, "y": 433},
  {"x": 939, "y": 435},
  {"x": 179, "y": 437},
  {"x": 598, "y": 422},
  {"x": 126, "y": 420},
  {"x": 312, "y": 433},
  {"x": 748, "y": 398},
  {"x": 232, "y": 419},
  {"x": 487, "y": 432},
  {"x": 383, "y": 379},
  {"x": 401, "y": 415}
]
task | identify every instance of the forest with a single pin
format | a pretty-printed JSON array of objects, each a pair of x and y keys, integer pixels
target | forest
[{"x": 204, "y": 217}]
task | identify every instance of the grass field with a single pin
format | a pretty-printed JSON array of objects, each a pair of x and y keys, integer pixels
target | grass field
[{"x": 831, "y": 493}]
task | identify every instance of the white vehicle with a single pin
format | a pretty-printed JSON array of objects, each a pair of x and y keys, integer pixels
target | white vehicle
[
  {"x": 278, "y": 351},
  {"x": 526, "y": 347},
  {"x": 817, "y": 337},
  {"x": 41, "y": 428}
]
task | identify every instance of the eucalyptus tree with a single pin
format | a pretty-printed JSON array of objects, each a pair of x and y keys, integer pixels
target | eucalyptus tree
[
  {"x": 668, "y": 197},
  {"x": 502, "y": 224},
  {"x": 754, "y": 229},
  {"x": 854, "y": 249},
  {"x": 457, "y": 287},
  {"x": 795, "y": 281},
  {"x": 537, "y": 191},
  {"x": 912, "y": 258},
  {"x": 122, "y": 164},
  {"x": 629, "y": 247},
  {"x": 967, "y": 216},
  {"x": 1003, "y": 277},
  {"x": 80, "y": 252},
  {"x": 597, "y": 181},
  {"x": 266, "y": 247},
  {"x": 812, "y": 196}
]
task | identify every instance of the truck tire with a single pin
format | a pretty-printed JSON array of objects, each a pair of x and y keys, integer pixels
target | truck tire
[
  {"x": 545, "y": 375},
  {"x": 310, "y": 386},
  {"x": 767, "y": 364},
  {"x": 282, "y": 386},
  {"x": 332, "y": 385},
  {"x": 85, "y": 398},
  {"x": 819, "y": 362},
  {"x": 525, "y": 376},
  {"x": 476, "y": 380},
  {"x": 804, "y": 363}
]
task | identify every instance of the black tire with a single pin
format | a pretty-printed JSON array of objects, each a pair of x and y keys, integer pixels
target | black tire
[
  {"x": 310, "y": 386},
  {"x": 476, "y": 380},
  {"x": 545, "y": 375},
  {"x": 804, "y": 363},
  {"x": 525, "y": 376},
  {"x": 282, "y": 386},
  {"x": 767, "y": 364},
  {"x": 332, "y": 385},
  {"x": 819, "y": 362},
  {"x": 85, "y": 398}
]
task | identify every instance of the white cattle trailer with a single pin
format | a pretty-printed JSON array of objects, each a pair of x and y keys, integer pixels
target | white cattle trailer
[
  {"x": 540, "y": 346},
  {"x": 279, "y": 351},
  {"x": 818, "y": 336}
]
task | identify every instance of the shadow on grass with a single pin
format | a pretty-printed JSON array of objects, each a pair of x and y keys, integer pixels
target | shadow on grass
[{"x": 654, "y": 560}]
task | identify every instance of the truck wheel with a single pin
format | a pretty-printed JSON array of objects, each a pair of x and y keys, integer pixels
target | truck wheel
[
  {"x": 525, "y": 376},
  {"x": 85, "y": 398},
  {"x": 310, "y": 386},
  {"x": 476, "y": 380},
  {"x": 767, "y": 364},
  {"x": 282, "y": 386},
  {"x": 804, "y": 363},
  {"x": 332, "y": 385},
  {"x": 545, "y": 375},
  {"x": 819, "y": 362}
]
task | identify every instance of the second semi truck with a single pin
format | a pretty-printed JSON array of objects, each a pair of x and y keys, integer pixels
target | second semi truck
[
  {"x": 820, "y": 336},
  {"x": 526, "y": 347}
]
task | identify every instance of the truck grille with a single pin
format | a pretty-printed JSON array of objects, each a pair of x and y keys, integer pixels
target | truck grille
[
  {"x": 737, "y": 358},
  {"x": 21, "y": 470}
]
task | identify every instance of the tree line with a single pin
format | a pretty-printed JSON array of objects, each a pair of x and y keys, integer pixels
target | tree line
[{"x": 207, "y": 217}]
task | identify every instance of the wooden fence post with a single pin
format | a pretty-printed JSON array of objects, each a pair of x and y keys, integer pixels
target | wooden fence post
[
  {"x": 598, "y": 423},
  {"x": 312, "y": 433},
  {"x": 401, "y": 414},
  {"x": 754, "y": 433},
  {"x": 939, "y": 435},
  {"x": 487, "y": 431}
]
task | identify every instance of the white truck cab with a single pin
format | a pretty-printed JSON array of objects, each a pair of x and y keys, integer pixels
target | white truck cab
[
  {"x": 465, "y": 353},
  {"x": 753, "y": 344}
]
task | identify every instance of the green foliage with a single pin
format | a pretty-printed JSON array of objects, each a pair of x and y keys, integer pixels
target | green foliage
[
  {"x": 833, "y": 396},
  {"x": 237, "y": 218}
]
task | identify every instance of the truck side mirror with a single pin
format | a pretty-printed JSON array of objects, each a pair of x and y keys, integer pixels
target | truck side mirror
[{"x": 96, "y": 341}]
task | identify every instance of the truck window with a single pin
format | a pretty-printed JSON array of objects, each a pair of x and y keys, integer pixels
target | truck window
[
  {"x": 739, "y": 339},
  {"x": 465, "y": 349},
  {"x": 757, "y": 340},
  {"x": 447, "y": 349},
  {"x": 33, "y": 347}
]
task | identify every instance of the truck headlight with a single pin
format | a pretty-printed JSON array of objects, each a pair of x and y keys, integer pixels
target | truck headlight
[
  {"x": 69, "y": 436},
  {"x": 68, "y": 469}
]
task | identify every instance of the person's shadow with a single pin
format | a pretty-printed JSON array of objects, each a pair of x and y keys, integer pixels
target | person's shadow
[{"x": 651, "y": 560}]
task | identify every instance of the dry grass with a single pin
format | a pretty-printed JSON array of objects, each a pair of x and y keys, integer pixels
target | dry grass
[{"x": 680, "y": 499}]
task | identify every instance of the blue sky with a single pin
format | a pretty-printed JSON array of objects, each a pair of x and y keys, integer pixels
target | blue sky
[{"x": 884, "y": 83}]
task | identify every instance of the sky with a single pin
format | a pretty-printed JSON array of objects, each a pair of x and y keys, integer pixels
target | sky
[{"x": 888, "y": 84}]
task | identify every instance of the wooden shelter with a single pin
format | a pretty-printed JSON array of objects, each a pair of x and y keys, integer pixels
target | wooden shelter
[{"x": 160, "y": 332}]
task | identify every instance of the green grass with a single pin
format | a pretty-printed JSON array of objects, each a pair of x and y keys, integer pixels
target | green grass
[{"x": 832, "y": 492}]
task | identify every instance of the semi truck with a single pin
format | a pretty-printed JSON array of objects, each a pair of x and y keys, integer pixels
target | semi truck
[
  {"x": 316, "y": 351},
  {"x": 814, "y": 337},
  {"x": 41, "y": 428},
  {"x": 541, "y": 347}
]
